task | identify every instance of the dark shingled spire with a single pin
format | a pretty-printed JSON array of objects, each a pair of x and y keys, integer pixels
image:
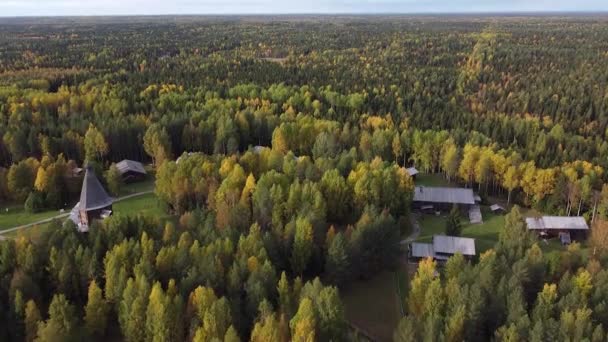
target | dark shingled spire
[{"x": 93, "y": 196}]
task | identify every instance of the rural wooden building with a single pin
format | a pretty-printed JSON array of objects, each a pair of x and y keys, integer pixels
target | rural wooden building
[
  {"x": 131, "y": 171},
  {"x": 557, "y": 226},
  {"x": 442, "y": 248},
  {"x": 95, "y": 203},
  {"x": 412, "y": 172},
  {"x": 497, "y": 209},
  {"x": 443, "y": 198}
]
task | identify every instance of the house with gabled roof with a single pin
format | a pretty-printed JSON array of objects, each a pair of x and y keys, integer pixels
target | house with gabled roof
[{"x": 131, "y": 170}]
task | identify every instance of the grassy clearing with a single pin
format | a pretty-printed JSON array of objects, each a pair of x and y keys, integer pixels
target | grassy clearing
[
  {"x": 17, "y": 216},
  {"x": 145, "y": 185},
  {"x": 432, "y": 179},
  {"x": 372, "y": 305},
  {"x": 145, "y": 204},
  {"x": 485, "y": 234},
  {"x": 431, "y": 225}
]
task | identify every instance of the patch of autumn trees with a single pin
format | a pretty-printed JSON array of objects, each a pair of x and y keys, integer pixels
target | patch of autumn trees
[
  {"x": 306, "y": 209},
  {"x": 138, "y": 280}
]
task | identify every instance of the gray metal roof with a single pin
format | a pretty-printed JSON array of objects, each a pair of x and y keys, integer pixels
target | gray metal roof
[
  {"x": 421, "y": 250},
  {"x": 557, "y": 222},
  {"x": 93, "y": 196},
  {"x": 442, "y": 247},
  {"x": 453, "y": 244},
  {"x": 495, "y": 207},
  {"x": 412, "y": 171},
  {"x": 443, "y": 195},
  {"x": 475, "y": 214},
  {"x": 127, "y": 165}
]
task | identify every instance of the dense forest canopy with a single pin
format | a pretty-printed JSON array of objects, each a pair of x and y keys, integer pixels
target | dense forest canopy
[
  {"x": 280, "y": 147},
  {"x": 536, "y": 85}
]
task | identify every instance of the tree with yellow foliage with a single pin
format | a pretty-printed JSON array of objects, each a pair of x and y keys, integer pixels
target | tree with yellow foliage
[
  {"x": 303, "y": 323},
  {"x": 510, "y": 180},
  {"x": 95, "y": 145},
  {"x": 96, "y": 311}
]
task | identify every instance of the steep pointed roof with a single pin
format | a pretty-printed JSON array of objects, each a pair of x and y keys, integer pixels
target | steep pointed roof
[{"x": 93, "y": 196}]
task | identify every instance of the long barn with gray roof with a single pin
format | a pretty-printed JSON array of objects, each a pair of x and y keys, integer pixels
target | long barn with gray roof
[
  {"x": 443, "y": 247},
  {"x": 443, "y": 197},
  {"x": 576, "y": 226}
]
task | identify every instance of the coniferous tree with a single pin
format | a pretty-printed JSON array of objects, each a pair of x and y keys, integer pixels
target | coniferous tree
[
  {"x": 453, "y": 225},
  {"x": 337, "y": 264},
  {"x": 302, "y": 246},
  {"x": 96, "y": 311},
  {"x": 62, "y": 324},
  {"x": 31, "y": 319},
  {"x": 304, "y": 322}
]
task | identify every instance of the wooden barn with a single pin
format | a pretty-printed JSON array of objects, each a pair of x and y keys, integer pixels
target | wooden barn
[
  {"x": 498, "y": 209},
  {"x": 565, "y": 227},
  {"x": 131, "y": 171}
]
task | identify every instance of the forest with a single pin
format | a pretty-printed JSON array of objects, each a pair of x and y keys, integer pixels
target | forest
[{"x": 279, "y": 147}]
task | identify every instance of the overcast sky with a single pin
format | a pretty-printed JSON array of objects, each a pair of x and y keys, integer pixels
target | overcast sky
[{"x": 109, "y": 7}]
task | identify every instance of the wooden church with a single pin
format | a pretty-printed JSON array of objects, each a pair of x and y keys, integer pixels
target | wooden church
[{"x": 95, "y": 203}]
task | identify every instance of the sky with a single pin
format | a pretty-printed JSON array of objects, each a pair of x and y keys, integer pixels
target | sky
[{"x": 9, "y": 8}]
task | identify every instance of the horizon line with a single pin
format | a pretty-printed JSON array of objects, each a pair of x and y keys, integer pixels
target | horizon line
[{"x": 361, "y": 14}]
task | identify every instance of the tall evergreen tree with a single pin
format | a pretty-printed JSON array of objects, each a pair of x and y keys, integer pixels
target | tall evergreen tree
[
  {"x": 453, "y": 225},
  {"x": 96, "y": 311}
]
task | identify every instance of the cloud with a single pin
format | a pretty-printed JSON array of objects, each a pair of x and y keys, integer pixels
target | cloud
[{"x": 110, "y": 7}]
